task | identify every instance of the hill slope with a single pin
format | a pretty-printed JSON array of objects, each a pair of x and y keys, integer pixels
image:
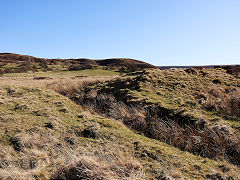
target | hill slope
[
  {"x": 148, "y": 124},
  {"x": 45, "y": 135},
  {"x": 193, "y": 110},
  {"x": 117, "y": 62}
]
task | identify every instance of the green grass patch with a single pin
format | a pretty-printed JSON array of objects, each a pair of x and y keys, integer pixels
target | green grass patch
[{"x": 88, "y": 72}]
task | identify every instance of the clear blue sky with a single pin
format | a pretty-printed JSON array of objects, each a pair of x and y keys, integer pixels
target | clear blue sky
[{"x": 161, "y": 32}]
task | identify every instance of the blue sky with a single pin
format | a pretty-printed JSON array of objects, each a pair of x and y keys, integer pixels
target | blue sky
[{"x": 161, "y": 32}]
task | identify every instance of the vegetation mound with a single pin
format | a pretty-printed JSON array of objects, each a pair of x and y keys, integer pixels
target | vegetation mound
[{"x": 124, "y": 63}]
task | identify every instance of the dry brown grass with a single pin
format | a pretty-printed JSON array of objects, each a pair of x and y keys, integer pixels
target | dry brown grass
[
  {"x": 40, "y": 152},
  {"x": 134, "y": 117},
  {"x": 216, "y": 143},
  {"x": 87, "y": 167},
  {"x": 69, "y": 88},
  {"x": 30, "y": 162},
  {"x": 223, "y": 101},
  {"x": 30, "y": 82}
]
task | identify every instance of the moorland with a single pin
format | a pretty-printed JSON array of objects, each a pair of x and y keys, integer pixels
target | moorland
[{"x": 117, "y": 119}]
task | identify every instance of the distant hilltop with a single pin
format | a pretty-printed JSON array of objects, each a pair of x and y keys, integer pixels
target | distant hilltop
[
  {"x": 75, "y": 63},
  {"x": 84, "y": 63}
]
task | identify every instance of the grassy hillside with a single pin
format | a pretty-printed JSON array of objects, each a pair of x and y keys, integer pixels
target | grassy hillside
[
  {"x": 16, "y": 63},
  {"x": 151, "y": 124},
  {"x": 211, "y": 94},
  {"x": 45, "y": 135},
  {"x": 193, "y": 110}
]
